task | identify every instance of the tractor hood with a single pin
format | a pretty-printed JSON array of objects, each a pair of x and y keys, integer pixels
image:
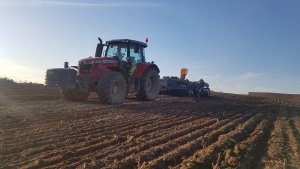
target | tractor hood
[
  {"x": 87, "y": 65},
  {"x": 98, "y": 60}
]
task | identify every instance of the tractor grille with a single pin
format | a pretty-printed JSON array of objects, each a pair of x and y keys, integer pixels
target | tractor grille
[{"x": 85, "y": 68}]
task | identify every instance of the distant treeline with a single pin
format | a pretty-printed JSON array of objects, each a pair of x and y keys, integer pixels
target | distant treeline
[
  {"x": 11, "y": 88},
  {"x": 6, "y": 81}
]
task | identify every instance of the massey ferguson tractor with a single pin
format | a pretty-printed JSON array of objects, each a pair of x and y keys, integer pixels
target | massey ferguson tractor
[{"x": 121, "y": 69}]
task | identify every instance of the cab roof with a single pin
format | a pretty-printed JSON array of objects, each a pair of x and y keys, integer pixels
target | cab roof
[{"x": 127, "y": 41}]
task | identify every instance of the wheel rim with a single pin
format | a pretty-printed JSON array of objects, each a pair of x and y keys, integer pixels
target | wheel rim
[
  {"x": 116, "y": 88},
  {"x": 149, "y": 84}
]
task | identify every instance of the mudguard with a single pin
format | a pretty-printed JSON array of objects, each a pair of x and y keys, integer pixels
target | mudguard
[{"x": 140, "y": 69}]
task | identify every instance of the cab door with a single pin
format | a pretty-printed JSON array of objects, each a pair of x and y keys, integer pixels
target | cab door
[{"x": 136, "y": 54}]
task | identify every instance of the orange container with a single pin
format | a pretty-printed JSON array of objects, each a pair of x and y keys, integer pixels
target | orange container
[{"x": 183, "y": 72}]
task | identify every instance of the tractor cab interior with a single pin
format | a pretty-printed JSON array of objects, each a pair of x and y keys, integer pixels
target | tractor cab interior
[
  {"x": 129, "y": 52},
  {"x": 136, "y": 57},
  {"x": 118, "y": 49}
]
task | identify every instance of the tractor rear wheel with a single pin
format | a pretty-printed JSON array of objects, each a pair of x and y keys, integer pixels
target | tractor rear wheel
[
  {"x": 112, "y": 88},
  {"x": 74, "y": 95},
  {"x": 149, "y": 84}
]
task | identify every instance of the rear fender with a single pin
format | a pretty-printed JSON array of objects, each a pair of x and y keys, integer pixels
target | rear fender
[
  {"x": 139, "y": 71},
  {"x": 142, "y": 67}
]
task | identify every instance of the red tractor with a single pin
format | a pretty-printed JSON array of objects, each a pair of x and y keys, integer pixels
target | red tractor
[{"x": 121, "y": 69}]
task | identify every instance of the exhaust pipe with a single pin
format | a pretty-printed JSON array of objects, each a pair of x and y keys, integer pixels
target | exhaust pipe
[
  {"x": 66, "y": 66},
  {"x": 99, "y": 48}
]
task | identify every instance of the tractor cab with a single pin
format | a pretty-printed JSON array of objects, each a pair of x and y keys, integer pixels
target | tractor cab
[{"x": 129, "y": 53}]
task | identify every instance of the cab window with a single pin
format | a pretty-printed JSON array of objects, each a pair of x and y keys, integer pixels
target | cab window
[
  {"x": 136, "y": 54},
  {"x": 117, "y": 50}
]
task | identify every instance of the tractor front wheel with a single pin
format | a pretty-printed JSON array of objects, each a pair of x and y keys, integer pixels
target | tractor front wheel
[
  {"x": 150, "y": 87},
  {"x": 112, "y": 88}
]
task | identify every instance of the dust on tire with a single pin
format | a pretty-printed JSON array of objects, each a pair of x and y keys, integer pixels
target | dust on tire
[
  {"x": 149, "y": 84},
  {"x": 111, "y": 88}
]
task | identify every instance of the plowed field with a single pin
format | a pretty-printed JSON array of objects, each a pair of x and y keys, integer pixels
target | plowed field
[{"x": 222, "y": 131}]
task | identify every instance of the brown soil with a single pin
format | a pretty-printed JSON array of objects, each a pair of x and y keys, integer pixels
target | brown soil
[
  {"x": 223, "y": 131},
  {"x": 283, "y": 145}
]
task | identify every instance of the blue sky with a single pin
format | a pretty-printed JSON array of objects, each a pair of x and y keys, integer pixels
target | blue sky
[{"x": 235, "y": 45}]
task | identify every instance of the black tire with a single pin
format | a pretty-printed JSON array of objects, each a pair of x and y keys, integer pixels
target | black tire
[
  {"x": 112, "y": 88},
  {"x": 74, "y": 95},
  {"x": 150, "y": 84}
]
